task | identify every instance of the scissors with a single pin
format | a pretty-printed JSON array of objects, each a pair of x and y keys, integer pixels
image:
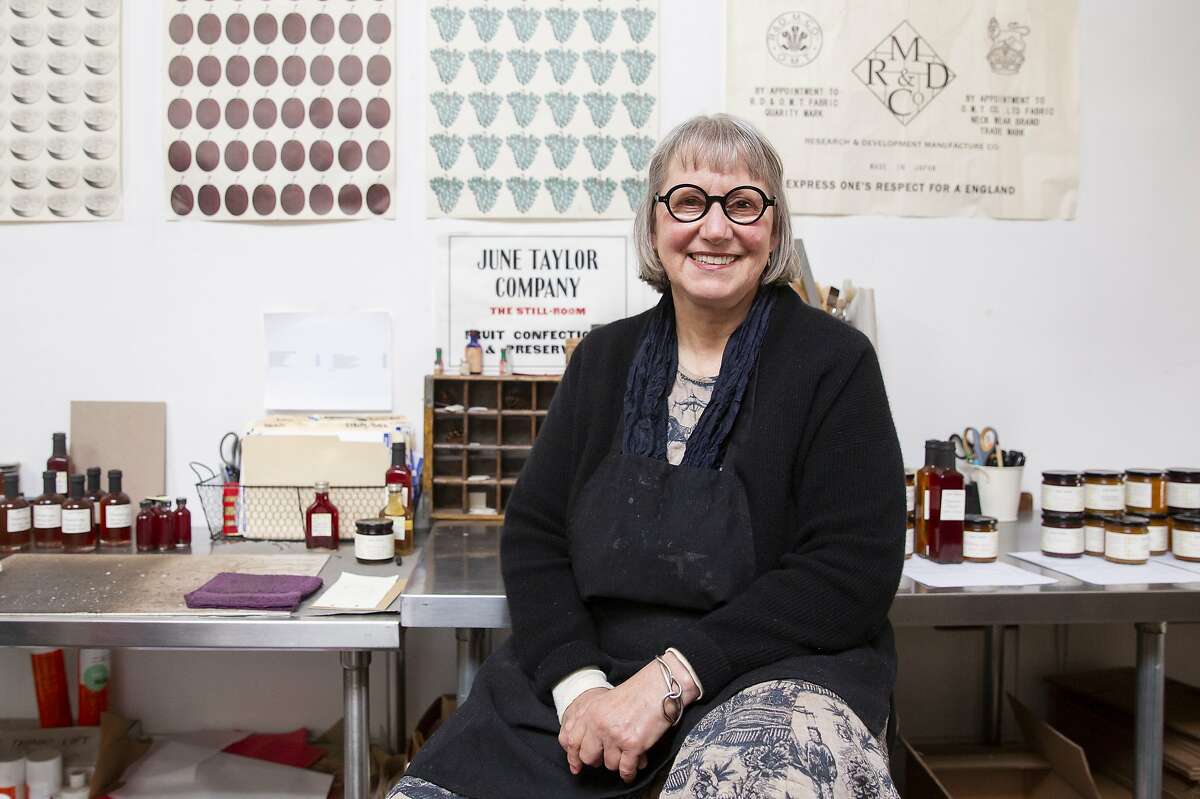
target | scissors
[
  {"x": 979, "y": 444},
  {"x": 231, "y": 457}
]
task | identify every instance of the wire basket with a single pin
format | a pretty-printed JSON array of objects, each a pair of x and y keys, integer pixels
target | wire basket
[{"x": 276, "y": 513}]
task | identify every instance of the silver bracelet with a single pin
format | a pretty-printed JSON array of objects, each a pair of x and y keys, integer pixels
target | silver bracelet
[{"x": 673, "y": 698}]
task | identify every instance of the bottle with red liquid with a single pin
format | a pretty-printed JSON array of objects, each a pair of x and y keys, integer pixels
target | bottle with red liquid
[
  {"x": 947, "y": 509},
  {"x": 145, "y": 527},
  {"x": 182, "y": 518},
  {"x": 400, "y": 475},
  {"x": 164, "y": 526},
  {"x": 321, "y": 521},
  {"x": 47, "y": 515},
  {"x": 78, "y": 535},
  {"x": 58, "y": 462},
  {"x": 116, "y": 514},
  {"x": 16, "y": 518},
  {"x": 94, "y": 495}
]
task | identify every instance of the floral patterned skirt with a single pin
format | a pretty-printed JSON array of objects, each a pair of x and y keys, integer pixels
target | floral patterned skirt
[{"x": 784, "y": 738}]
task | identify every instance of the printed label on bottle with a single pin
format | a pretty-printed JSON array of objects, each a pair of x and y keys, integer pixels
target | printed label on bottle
[
  {"x": 60, "y": 482},
  {"x": 1063, "y": 499},
  {"x": 980, "y": 545},
  {"x": 954, "y": 505},
  {"x": 404, "y": 495},
  {"x": 47, "y": 516},
  {"x": 908, "y": 542},
  {"x": 925, "y": 510},
  {"x": 398, "y": 528},
  {"x": 118, "y": 516},
  {"x": 1186, "y": 544},
  {"x": 1094, "y": 539},
  {"x": 19, "y": 520},
  {"x": 322, "y": 525},
  {"x": 1159, "y": 538},
  {"x": 910, "y": 498},
  {"x": 1139, "y": 495},
  {"x": 374, "y": 547},
  {"x": 1183, "y": 495},
  {"x": 1105, "y": 497},
  {"x": 76, "y": 520},
  {"x": 1126, "y": 546},
  {"x": 1062, "y": 542}
]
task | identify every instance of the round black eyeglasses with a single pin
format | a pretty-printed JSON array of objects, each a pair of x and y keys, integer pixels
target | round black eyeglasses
[{"x": 743, "y": 205}]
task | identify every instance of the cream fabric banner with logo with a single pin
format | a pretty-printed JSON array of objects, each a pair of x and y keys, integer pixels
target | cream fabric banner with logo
[{"x": 917, "y": 108}]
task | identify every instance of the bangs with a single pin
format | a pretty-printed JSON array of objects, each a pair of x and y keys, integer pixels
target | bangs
[{"x": 720, "y": 148}]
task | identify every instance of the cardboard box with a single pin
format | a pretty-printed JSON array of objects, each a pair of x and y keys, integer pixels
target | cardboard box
[{"x": 1049, "y": 766}]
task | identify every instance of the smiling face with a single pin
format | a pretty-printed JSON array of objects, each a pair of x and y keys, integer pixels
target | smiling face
[{"x": 712, "y": 263}]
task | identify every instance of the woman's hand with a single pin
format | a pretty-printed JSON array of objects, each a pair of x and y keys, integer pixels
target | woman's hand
[{"x": 615, "y": 727}]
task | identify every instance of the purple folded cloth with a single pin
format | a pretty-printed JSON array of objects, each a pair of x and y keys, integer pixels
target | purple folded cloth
[{"x": 253, "y": 591}]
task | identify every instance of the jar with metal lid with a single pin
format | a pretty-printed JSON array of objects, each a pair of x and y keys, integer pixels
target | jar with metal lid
[
  {"x": 1104, "y": 492},
  {"x": 1160, "y": 533},
  {"x": 908, "y": 535},
  {"x": 1183, "y": 490},
  {"x": 1185, "y": 536},
  {"x": 1062, "y": 535},
  {"x": 1093, "y": 535},
  {"x": 374, "y": 541},
  {"x": 910, "y": 489},
  {"x": 1062, "y": 492},
  {"x": 981, "y": 539},
  {"x": 1146, "y": 491},
  {"x": 1127, "y": 539}
]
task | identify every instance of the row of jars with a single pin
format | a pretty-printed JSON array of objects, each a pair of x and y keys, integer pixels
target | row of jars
[{"x": 1124, "y": 517}]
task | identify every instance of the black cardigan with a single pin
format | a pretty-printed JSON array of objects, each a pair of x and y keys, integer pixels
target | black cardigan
[{"x": 825, "y": 482}]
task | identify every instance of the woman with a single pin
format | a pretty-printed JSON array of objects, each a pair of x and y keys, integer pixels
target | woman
[{"x": 703, "y": 547}]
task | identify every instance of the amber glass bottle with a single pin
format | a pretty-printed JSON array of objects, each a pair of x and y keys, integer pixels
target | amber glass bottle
[
  {"x": 15, "y": 518},
  {"x": 94, "y": 495},
  {"x": 948, "y": 509},
  {"x": 321, "y": 521},
  {"x": 922, "y": 497},
  {"x": 47, "y": 515},
  {"x": 58, "y": 462},
  {"x": 78, "y": 534},
  {"x": 116, "y": 514}
]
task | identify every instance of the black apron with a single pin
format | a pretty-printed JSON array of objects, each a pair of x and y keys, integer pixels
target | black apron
[{"x": 653, "y": 547}]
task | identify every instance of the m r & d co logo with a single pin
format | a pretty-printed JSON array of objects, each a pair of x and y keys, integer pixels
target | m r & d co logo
[{"x": 904, "y": 73}]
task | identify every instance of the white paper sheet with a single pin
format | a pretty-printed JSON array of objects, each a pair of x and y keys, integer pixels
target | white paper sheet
[
  {"x": 1101, "y": 572},
  {"x": 962, "y": 575},
  {"x": 191, "y": 771},
  {"x": 1170, "y": 560},
  {"x": 356, "y": 592},
  {"x": 329, "y": 362}
]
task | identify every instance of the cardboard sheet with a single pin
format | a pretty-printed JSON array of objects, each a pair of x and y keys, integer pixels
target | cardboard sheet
[
  {"x": 130, "y": 436},
  {"x": 1100, "y": 572},
  {"x": 963, "y": 575}
]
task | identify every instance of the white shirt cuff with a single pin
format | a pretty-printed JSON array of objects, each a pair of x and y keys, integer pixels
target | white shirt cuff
[
  {"x": 571, "y": 686},
  {"x": 690, "y": 670}
]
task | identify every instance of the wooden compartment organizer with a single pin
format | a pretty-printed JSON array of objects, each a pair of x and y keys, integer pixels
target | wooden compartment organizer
[{"x": 474, "y": 455}]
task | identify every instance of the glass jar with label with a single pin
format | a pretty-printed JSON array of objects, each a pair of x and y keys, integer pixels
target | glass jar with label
[
  {"x": 981, "y": 539},
  {"x": 1062, "y": 535},
  {"x": 374, "y": 541},
  {"x": 1126, "y": 539},
  {"x": 1104, "y": 492},
  {"x": 910, "y": 490},
  {"x": 1146, "y": 491},
  {"x": 1183, "y": 490},
  {"x": 1093, "y": 535},
  {"x": 1185, "y": 536},
  {"x": 1160, "y": 533},
  {"x": 1062, "y": 492},
  {"x": 909, "y": 535}
]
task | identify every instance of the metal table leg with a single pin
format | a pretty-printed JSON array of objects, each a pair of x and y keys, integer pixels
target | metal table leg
[
  {"x": 1151, "y": 680},
  {"x": 356, "y": 741},
  {"x": 472, "y": 643},
  {"x": 993, "y": 683},
  {"x": 397, "y": 709}
]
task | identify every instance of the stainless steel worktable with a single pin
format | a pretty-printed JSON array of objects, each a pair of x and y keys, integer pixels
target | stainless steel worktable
[
  {"x": 457, "y": 583},
  {"x": 354, "y": 636}
]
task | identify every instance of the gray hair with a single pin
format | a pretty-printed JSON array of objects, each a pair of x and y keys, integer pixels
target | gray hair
[{"x": 723, "y": 143}]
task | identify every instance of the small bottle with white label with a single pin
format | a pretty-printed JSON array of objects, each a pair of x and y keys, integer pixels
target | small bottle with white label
[
  {"x": 948, "y": 507},
  {"x": 16, "y": 518},
  {"x": 94, "y": 495},
  {"x": 321, "y": 521},
  {"x": 78, "y": 535},
  {"x": 981, "y": 539},
  {"x": 374, "y": 541},
  {"x": 116, "y": 514},
  {"x": 1126, "y": 539},
  {"x": 47, "y": 515},
  {"x": 59, "y": 462}
]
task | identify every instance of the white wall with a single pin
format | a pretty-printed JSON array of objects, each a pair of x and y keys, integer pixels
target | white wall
[{"x": 1078, "y": 340}]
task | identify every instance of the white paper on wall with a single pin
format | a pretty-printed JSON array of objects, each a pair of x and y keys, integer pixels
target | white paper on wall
[
  {"x": 60, "y": 110},
  {"x": 918, "y": 108},
  {"x": 280, "y": 111},
  {"x": 540, "y": 108},
  {"x": 328, "y": 361}
]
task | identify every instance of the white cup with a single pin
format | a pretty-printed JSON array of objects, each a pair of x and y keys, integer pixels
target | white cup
[{"x": 999, "y": 490}]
